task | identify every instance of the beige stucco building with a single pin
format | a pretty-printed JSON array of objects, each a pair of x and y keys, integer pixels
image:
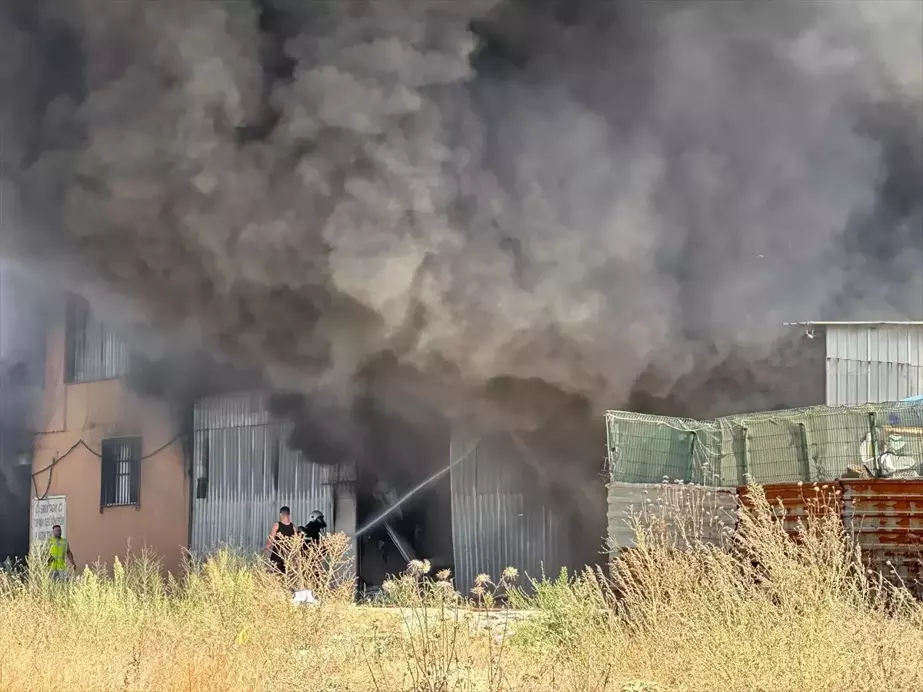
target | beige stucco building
[{"x": 117, "y": 459}]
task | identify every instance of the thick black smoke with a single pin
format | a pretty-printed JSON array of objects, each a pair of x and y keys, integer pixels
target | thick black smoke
[
  {"x": 507, "y": 207},
  {"x": 22, "y": 373}
]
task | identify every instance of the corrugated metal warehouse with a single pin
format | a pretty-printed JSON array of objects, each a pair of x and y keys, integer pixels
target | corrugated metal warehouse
[
  {"x": 870, "y": 362},
  {"x": 244, "y": 471}
]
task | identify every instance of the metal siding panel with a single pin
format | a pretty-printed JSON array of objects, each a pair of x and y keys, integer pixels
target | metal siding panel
[
  {"x": 303, "y": 485},
  {"x": 464, "y": 524},
  {"x": 243, "y": 498},
  {"x": 711, "y": 511},
  {"x": 876, "y": 381},
  {"x": 115, "y": 355},
  {"x": 624, "y": 500},
  {"x": 880, "y": 345},
  {"x": 96, "y": 351},
  {"x": 497, "y": 522},
  {"x": 902, "y": 383},
  {"x": 886, "y": 518},
  {"x": 241, "y": 501},
  {"x": 873, "y": 363},
  {"x": 465, "y": 511},
  {"x": 92, "y": 351},
  {"x": 231, "y": 411},
  {"x": 796, "y": 503},
  {"x": 901, "y": 346},
  {"x": 239, "y": 493}
]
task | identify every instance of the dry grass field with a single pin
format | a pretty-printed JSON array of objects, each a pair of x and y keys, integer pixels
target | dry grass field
[{"x": 661, "y": 619}]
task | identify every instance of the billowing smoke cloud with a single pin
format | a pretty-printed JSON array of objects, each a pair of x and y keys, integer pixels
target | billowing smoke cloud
[
  {"x": 442, "y": 201},
  {"x": 22, "y": 369}
]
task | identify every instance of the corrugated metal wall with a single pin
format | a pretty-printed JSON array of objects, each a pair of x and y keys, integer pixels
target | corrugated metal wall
[
  {"x": 886, "y": 519},
  {"x": 872, "y": 363},
  {"x": 700, "y": 513},
  {"x": 244, "y": 471},
  {"x": 499, "y": 518},
  {"x": 796, "y": 505},
  {"x": 94, "y": 350}
]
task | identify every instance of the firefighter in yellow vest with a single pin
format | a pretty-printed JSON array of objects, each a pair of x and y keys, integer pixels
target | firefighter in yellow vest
[{"x": 59, "y": 554}]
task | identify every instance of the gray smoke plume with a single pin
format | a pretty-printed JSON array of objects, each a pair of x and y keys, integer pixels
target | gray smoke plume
[
  {"x": 460, "y": 202},
  {"x": 22, "y": 370}
]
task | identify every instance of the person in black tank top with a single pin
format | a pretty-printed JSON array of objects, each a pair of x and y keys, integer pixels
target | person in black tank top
[{"x": 282, "y": 532}]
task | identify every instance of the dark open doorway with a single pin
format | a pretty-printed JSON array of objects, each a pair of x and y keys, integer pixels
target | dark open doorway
[{"x": 401, "y": 456}]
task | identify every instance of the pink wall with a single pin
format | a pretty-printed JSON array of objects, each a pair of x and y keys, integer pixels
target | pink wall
[{"x": 92, "y": 412}]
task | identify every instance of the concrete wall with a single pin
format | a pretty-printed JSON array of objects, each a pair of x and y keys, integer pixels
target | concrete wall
[{"x": 92, "y": 412}]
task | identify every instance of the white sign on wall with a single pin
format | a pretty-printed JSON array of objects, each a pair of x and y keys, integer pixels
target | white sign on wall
[{"x": 46, "y": 513}]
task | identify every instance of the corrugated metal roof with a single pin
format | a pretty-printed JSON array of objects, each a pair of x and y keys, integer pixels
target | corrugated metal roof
[{"x": 848, "y": 323}]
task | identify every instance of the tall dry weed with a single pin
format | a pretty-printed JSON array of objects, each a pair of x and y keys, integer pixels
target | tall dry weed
[
  {"x": 704, "y": 600},
  {"x": 755, "y": 607}
]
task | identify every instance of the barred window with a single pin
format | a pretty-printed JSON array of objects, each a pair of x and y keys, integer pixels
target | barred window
[
  {"x": 94, "y": 351},
  {"x": 121, "y": 472}
]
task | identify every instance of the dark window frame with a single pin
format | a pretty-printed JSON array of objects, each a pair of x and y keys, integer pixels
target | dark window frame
[
  {"x": 85, "y": 335},
  {"x": 114, "y": 467},
  {"x": 201, "y": 487}
]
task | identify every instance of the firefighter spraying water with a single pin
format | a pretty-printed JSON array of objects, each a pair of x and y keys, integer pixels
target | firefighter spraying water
[
  {"x": 312, "y": 531},
  {"x": 413, "y": 491}
]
